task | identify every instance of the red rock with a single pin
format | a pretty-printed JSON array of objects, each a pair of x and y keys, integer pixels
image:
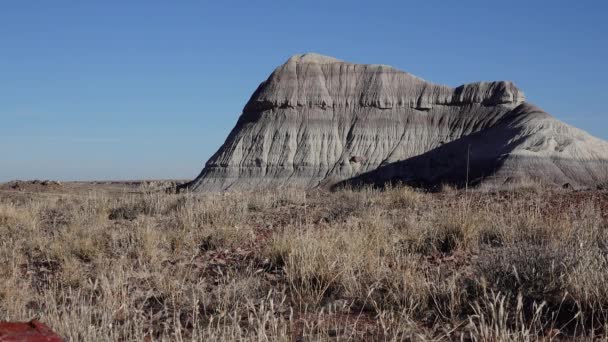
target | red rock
[{"x": 32, "y": 331}]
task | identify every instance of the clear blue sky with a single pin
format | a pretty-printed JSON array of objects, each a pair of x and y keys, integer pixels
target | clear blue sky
[{"x": 150, "y": 89}]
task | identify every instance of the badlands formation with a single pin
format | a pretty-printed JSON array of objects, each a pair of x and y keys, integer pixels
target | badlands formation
[{"x": 320, "y": 121}]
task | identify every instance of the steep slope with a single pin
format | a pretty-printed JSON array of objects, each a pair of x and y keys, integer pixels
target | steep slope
[
  {"x": 318, "y": 120},
  {"x": 525, "y": 144}
]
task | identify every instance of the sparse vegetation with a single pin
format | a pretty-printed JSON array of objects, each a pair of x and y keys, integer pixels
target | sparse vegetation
[{"x": 289, "y": 265}]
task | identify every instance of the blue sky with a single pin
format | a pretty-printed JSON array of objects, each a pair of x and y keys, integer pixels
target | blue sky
[{"x": 150, "y": 89}]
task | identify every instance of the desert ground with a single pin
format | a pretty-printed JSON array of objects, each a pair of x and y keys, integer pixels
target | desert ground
[{"x": 128, "y": 261}]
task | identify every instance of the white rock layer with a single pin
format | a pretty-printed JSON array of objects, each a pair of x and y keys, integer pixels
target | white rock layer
[{"x": 321, "y": 121}]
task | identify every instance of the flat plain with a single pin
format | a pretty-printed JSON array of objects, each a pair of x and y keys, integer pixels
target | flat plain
[{"x": 129, "y": 262}]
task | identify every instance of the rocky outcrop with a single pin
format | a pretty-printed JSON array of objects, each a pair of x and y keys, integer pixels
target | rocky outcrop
[{"x": 320, "y": 121}]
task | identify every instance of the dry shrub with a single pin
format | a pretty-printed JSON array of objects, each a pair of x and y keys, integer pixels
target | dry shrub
[
  {"x": 13, "y": 217},
  {"x": 496, "y": 318},
  {"x": 361, "y": 260},
  {"x": 536, "y": 273}
]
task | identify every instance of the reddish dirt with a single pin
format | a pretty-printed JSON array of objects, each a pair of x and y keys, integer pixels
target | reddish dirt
[{"x": 32, "y": 331}]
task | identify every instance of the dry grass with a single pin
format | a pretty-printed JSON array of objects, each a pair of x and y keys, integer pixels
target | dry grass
[{"x": 287, "y": 265}]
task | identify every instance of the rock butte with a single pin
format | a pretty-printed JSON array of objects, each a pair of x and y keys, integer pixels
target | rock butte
[{"x": 319, "y": 121}]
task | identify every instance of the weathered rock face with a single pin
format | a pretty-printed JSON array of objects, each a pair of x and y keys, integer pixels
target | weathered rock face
[{"x": 321, "y": 121}]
